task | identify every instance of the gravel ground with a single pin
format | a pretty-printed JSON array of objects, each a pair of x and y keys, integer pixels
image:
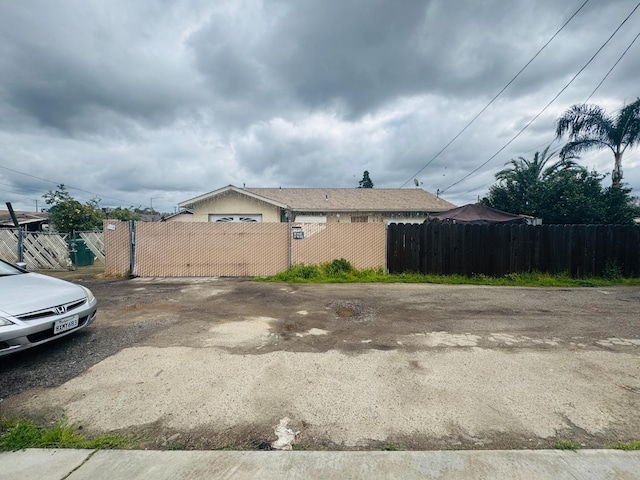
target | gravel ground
[{"x": 210, "y": 363}]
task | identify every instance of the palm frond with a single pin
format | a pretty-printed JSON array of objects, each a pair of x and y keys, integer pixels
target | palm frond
[
  {"x": 583, "y": 143},
  {"x": 579, "y": 120},
  {"x": 629, "y": 121}
]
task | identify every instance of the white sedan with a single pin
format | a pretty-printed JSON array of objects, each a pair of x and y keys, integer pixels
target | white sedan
[{"x": 35, "y": 309}]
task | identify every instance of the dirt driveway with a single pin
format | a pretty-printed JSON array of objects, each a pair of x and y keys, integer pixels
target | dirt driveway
[{"x": 211, "y": 363}]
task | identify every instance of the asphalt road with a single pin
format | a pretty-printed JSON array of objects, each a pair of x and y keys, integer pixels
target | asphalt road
[{"x": 210, "y": 363}]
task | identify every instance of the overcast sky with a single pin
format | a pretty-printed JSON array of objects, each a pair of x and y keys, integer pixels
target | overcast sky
[{"x": 167, "y": 100}]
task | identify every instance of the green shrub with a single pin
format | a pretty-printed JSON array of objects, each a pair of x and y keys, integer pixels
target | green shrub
[{"x": 338, "y": 268}]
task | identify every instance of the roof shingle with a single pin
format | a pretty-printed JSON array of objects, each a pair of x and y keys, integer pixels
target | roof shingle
[
  {"x": 356, "y": 199},
  {"x": 339, "y": 199}
]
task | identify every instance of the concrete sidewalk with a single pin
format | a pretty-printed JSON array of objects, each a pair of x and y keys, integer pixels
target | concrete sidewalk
[{"x": 474, "y": 464}]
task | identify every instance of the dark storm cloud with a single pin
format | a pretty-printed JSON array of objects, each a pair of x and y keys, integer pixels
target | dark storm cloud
[
  {"x": 65, "y": 65},
  {"x": 171, "y": 99},
  {"x": 357, "y": 56}
]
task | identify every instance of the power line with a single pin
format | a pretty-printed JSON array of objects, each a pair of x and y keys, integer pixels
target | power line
[
  {"x": 611, "y": 69},
  {"x": 496, "y": 96},
  {"x": 545, "y": 107},
  {"x": 68, "y": 186}
]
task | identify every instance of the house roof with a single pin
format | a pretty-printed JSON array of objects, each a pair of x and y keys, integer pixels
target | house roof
[
  {"x": 24, "y": 218},
  {"x": 177, "y": 214},
  {"x": 338, "y": 199}
]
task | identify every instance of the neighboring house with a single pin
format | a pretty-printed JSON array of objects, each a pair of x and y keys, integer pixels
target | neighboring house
[
  {"x": 315, "y": 205},
  {"x": 29, "y": 221},
  {"x": 181, "y": 216}
]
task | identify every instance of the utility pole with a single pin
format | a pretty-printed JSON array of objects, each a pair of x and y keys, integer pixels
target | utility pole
[{"x": 152, "y": 199}]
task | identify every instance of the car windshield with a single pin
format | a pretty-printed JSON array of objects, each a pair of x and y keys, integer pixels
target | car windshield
[{"x": 8, "y": 269}]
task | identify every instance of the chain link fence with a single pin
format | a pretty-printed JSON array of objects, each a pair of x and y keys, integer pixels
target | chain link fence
[{"x": 180, "y": 249}]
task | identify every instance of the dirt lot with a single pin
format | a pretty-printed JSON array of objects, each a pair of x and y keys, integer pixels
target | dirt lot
[{"x": 213, "y": 363}]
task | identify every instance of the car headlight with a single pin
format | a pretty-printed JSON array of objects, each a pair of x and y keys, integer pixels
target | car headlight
[
  {"x": 90, "y": 297},
  {"x": 4, "y": 322}
]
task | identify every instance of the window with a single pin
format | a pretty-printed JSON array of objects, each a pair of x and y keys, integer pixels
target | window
[
  {"x": 235, "y": 218},
  {"x": 359, "y": 219}
]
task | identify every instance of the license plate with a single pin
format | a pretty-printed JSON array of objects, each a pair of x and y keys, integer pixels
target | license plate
[{"x": 64, "y": 325}]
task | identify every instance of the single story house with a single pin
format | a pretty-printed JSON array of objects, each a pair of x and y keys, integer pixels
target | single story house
[{"x": 315, "y": 205}]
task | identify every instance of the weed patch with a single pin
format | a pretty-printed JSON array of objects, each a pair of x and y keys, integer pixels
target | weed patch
[
  {"x": 632, "y": 445},
  {"x": 18, "y": 434},
  {"x": 390, "y": 447},
  {"x": 341, "y": 271},
  {"x": 566, "y": 445}
]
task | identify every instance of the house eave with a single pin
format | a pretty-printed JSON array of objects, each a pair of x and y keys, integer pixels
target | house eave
[{"x": 191, "y": 203}]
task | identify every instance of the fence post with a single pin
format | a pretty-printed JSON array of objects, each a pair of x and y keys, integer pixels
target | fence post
[
  {"x": 289, "y": 243},
  {"x": 386, "y": 248},
  {"x": 20, "y": 245},
  {"x": 132, "y": 246}
]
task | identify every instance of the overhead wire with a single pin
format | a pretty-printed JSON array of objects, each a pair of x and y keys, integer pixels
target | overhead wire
[
  {"x": 545, "y": 107},
  {"x": 496, "y": 96},
  {"x": 611, "y": 69},
  {"x": 67, "y": 186}
]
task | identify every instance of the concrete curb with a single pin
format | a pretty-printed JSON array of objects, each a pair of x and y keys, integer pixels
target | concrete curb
[{"x": 59, "y": 464}]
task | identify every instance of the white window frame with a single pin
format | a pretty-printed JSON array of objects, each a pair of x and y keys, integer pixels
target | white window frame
[{"x": 235, "y": 217}]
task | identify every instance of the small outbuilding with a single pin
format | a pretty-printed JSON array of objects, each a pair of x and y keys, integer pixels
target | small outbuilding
[
  {"x": 29, "y": 221},
  {"x": 476, "y": 214}
]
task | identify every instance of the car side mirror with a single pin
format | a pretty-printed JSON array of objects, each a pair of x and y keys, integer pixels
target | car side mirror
[{"x": 21, "y": 265}]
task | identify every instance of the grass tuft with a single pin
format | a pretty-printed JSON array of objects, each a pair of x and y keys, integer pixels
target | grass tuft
[
  {"x": 632, "y": 445},
  {"x": 390, "y": 447},
  {"x": 566, "y": 445},
  {"x": 18, "y": 434}
]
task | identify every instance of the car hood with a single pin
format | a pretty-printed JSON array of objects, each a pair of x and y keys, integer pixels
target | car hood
[{"x": 30, "y": 292}]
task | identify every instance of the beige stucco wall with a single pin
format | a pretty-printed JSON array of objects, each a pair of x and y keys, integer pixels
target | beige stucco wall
[
  {"x": 345, "y": 217},
  {"x": 233, "y": 203},
  {"x": 181, "y": 218}
]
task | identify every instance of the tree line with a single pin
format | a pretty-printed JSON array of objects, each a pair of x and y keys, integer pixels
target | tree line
[{"x": 66, "y": 214}]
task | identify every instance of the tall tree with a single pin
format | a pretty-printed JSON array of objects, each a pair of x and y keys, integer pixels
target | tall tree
[
  {"x": 68, "y": 214},
  {"x": 589, "y": 127},
  {"x": 520, "y": 186},
  {"x": 529, "y": 172},
  {"x": 71, "y": 215},
  {"x": 366, "y": 181}
]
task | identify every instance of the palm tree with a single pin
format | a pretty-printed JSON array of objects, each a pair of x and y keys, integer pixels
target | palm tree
[
  {"x": 529, "y": 172},
  {"x": 590, "y": 127},
  {"x": 522, "y": 185}
]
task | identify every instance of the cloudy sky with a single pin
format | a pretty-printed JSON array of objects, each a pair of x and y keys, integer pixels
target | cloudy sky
[{"x": 159, "y": 101}]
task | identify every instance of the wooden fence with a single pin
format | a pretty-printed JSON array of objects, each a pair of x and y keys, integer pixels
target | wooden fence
[
  {"x": 41, "y": 251},
  {"x": 46, "y": 251},
  {"x": 496, "y": 250}
]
